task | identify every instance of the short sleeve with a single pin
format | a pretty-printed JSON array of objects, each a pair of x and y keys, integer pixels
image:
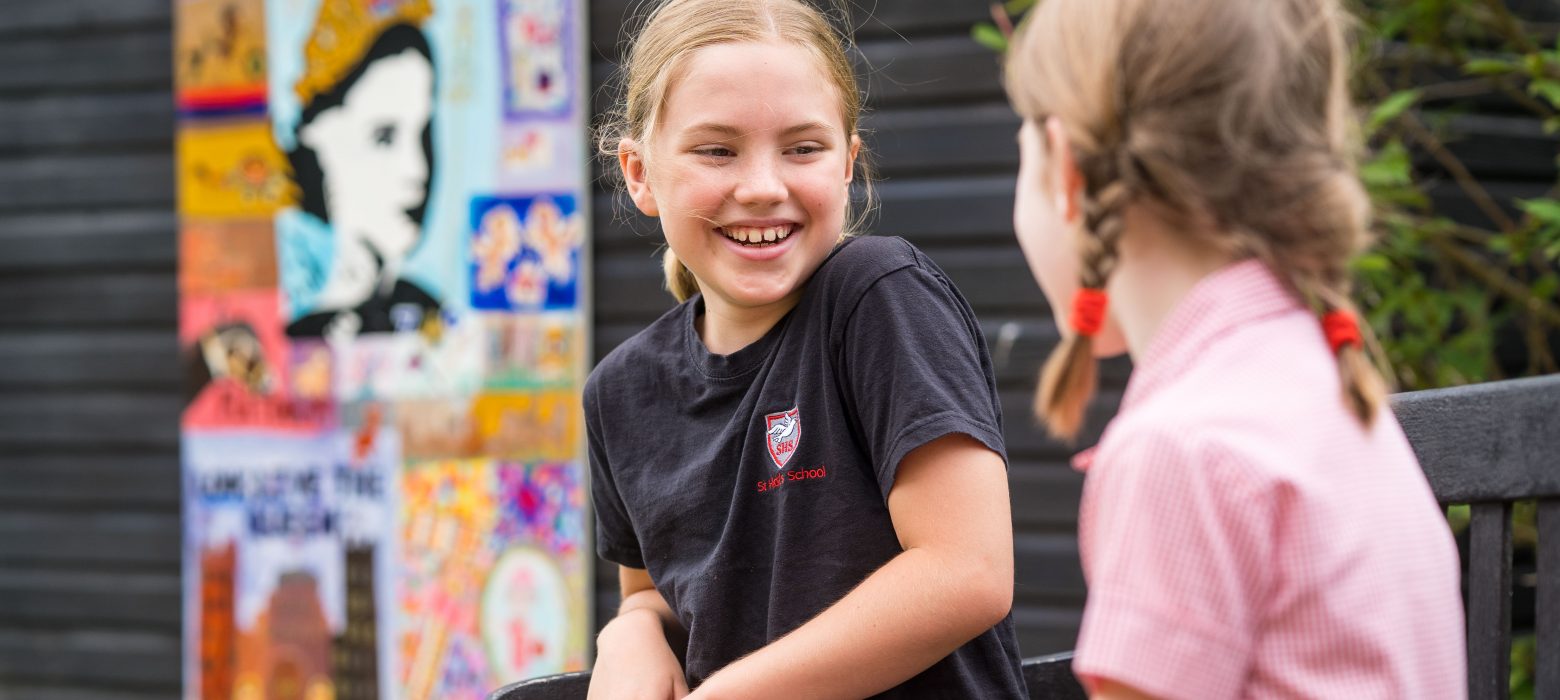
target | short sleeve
[
  {"x": 615, "y": 538},
  {"x": 1176, "y": 541},
  {"x": 916, "y": 369}
]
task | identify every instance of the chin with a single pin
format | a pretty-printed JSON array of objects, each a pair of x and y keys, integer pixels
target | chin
[{"x": 757, "y": 296}]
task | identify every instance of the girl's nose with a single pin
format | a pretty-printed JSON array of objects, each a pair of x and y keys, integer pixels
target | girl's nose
[{"x": 761, "y": 183}]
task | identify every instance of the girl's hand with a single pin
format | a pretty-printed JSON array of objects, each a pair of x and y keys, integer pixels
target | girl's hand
[{"x": 634, "y": 661}]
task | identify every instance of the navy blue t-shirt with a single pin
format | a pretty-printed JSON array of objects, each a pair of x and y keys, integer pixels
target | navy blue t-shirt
[{"x": 754, "y": 486}]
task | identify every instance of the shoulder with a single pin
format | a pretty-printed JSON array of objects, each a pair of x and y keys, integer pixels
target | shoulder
[
  {"x": 860, "y": 263},
  {"x": 887, "y": 269},
  {"x": 649, "y": 352},
  {"x": 1185, "y": 456}
]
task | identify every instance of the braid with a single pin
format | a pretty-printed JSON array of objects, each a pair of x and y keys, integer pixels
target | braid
[
  {"x": 1071, "y": 373},
  {"x": 1325, "y": 291}
]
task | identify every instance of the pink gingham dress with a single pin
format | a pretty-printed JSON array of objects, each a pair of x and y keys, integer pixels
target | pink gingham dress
[{"x": 1243, "y": 536}]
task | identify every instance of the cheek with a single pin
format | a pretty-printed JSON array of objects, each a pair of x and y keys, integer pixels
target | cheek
[{"x": 1047, "y": 245}]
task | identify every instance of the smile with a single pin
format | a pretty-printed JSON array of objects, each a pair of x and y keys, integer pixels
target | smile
[{"x": 757, "y": 236}]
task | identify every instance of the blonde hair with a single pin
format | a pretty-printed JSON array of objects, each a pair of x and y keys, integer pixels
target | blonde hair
[
  {"x": 1231, "y": 118},
  {"x": 675, "y": 29}
]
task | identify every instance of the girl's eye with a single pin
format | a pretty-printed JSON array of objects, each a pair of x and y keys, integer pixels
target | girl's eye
[
  {"x": 384, "y": 135},
  {"x": 806, "y": 149},
  {"x": 715, "y": 152}
]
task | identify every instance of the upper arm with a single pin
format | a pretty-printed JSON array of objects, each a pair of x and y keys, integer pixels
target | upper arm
[
  {"x": 951, "y": 498},
  {"x": 632, "y": 580},
  {"x": 1176, "y": 535},
  {"x": 916, "y": 369}
]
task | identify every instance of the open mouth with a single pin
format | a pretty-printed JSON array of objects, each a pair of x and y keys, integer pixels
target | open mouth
[{"x": 757, "y": 236}]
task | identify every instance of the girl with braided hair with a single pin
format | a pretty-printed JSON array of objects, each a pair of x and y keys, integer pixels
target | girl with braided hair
[{"x": 1254, "y": 523}]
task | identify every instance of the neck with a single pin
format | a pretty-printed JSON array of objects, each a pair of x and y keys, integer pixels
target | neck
[
  {"x": 355, "y": 273},
  {"x": 1157, "y": 267},
  {"x": 726, "y": 328}
]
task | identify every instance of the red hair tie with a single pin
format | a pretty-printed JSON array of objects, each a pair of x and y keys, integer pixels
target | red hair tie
[
  {"x": 1341, "y": 329},
  {"x": 1088, "y": 315}
]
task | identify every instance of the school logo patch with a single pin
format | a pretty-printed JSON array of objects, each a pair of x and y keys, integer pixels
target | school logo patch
[{"x": 782, "y": 433}]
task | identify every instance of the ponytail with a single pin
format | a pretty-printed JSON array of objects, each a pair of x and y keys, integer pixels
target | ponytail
[
  {"x": 679, "y": 280},
  {"x": 1067, "y": 382}
]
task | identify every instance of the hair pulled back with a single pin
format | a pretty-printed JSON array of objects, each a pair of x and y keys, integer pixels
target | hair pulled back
[
  {"x": 673, "y": 29},
  {"x": 1232, "y": 119}
]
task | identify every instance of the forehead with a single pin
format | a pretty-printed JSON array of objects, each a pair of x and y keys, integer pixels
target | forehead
[
  {"x": 753, "y": 86},
  {"x": 390, "y": 80}
]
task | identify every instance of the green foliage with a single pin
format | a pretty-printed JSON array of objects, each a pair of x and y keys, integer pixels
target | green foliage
[{"x": 1436, "y": 290}]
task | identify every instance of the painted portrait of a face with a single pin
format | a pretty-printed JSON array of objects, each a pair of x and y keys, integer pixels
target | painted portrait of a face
[{"x": 363, "y": 162}]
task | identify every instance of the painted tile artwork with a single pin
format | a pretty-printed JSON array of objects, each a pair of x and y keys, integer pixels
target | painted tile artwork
[{"x": 381, "y": 325}]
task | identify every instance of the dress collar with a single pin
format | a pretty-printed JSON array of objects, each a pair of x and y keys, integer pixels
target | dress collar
[{"x": 1237, "y": 295}]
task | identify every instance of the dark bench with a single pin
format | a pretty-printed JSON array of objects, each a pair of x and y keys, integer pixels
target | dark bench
[
  {"x": 1486, "y": 445},
  {"x": 1046, "y": 676}
]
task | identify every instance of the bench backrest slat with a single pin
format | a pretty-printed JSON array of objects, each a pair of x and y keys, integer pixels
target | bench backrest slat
[
  {"x": 1547, "y": 676},
  {"x": 1489, "y": 602}
]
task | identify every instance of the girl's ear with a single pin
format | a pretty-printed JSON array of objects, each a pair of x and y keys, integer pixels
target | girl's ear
[
  {"x": 850, "y": 162},
  {"x": 1064, "y": 171},
  {"x": 632, "y": 163}
]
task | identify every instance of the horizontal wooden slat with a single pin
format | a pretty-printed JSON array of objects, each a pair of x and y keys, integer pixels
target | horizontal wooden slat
[
  {"x": 1046, "y": 629},
  {"x": 77, "y": 599},
  {"x": 63, "y": 182},
  {"x": 90, "y": 421},
  {"x": 1045, "y": 496},
  {"x": 138, "y": 660},
  {"x": 99, "y": 481},
  {"x": 1451, "y": 201},
  {"x": 76, "y": 690},
  {"x": 944, "y": 141},
  {"x": 1027, "y": 440},
  {"x": 1496, "y": 147},
  {"x": 89, "y": 121},
  {"x": 1486, "y": 442},
  {"x": 112, "y": 62},
  {"x": 89, "y": 360},
  {"x": 941, "y": 70},
  {"x": 1046, "y": 567},
  {"x": 611, "y": 19},
  {"x": 24, "y": 17},
  {"x": 74, "y": 240},
  {"x": 103, "y": 298},
  {"x": 96, "y": 538}
]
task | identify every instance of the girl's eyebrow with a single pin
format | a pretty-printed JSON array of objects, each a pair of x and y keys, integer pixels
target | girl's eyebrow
[{"x": 732, "y": 132}]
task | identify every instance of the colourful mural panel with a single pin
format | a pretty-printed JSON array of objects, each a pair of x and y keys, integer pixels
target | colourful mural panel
[{"x": 382, "y": 277}]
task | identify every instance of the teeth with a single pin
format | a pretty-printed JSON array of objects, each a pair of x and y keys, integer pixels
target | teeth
[{"x": 754, "y": 235}]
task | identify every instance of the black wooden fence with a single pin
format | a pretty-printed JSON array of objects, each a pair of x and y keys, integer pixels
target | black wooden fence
[{"x": 89, "y": 393}]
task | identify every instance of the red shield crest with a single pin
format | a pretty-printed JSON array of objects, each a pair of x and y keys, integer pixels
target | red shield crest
[{"x": 782, "y": 433}]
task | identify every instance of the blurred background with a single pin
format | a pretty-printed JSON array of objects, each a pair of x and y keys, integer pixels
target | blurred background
[{"x": 1461, "y": 105}]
